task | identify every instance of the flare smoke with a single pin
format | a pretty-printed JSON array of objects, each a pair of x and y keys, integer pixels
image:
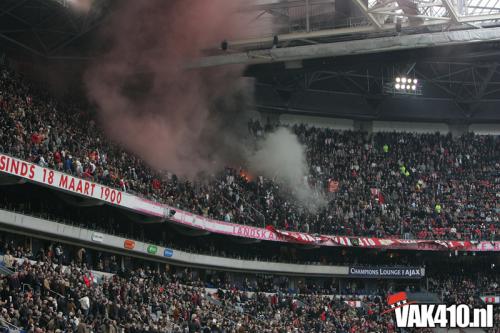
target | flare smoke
[
  {"x": 177, "y": 119},
  {"x": 282, "y": 157},
  {"x": 149, "y": 101}
]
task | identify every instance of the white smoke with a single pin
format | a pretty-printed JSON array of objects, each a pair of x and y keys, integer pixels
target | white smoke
[{"x": 280, "y": 156}]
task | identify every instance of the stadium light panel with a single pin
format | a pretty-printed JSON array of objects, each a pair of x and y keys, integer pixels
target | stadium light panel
[{"x": 403, "y": 86}]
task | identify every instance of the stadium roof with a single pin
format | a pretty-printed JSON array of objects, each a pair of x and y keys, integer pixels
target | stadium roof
[
  {"x": 51, "y": 29},
  {"x": 336, "y": 58},
  {"x": 310, "y": 55},
  {"x": 315, "y": 21}
]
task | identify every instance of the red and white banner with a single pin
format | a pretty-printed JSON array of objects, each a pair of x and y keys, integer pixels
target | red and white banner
[
  {"x": 82, "y": 187},
  {"x": 61, "y": 181},
  {"x": 377, "y": 195},
  {"x": 491, "y": 299},
  {"x": 353, "y": 304},
  {"x": 392, "y": 243}
]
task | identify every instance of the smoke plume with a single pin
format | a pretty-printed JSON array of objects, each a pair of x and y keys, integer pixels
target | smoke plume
[
  {"x": 172, "y": 117},
  {"x": 183, "y": 120},
  {"x": 280, "y": 156}
]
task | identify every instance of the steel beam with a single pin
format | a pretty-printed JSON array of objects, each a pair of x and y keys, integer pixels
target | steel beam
[
  {"x": 22, "y": 45},
  {"x": 369, "y": 16},
  {"x": 354, "y": 47},
  {"x": 326, "y": 33},
  {"x": 451, "y": 10},
  {"x": 477, "y": 18},
  {"x": 419, "y": 16},
  {"x": 8, "y": 11},
  {"x": 482, "y": 88},
  {"x": 284, "y": 5}
]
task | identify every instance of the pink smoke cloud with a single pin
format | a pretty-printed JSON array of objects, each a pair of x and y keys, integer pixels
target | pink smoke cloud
[{"x": 169, "y": 124}]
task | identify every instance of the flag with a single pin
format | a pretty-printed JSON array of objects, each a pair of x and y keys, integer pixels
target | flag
[
  {"x": 380, "y": 198},
  {"x": 93, "y": 278},
  {"x": 353, "y": 304},
  {"x": 377, "y": 195},
  {"x": 86, "y": 280},
  {"x": 491, "y": 299},
  {"x": 156, "y": 184}
]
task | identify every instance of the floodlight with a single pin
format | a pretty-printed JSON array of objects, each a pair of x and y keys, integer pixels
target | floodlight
[
  {"x": 403, "y": 80},
  {"x": 397, "y": 86},
  {"x": 408, "y": 86},
  {"x": 398, "y": 79},
  {"x": 413, "y": 87},
  {"x": 415, "y": 81}
]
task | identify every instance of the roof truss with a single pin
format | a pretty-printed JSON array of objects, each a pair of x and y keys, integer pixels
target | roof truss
[{"x": 377, "y": 16}]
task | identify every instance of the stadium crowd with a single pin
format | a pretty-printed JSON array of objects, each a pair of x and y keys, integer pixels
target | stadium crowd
[
  {"x": 15, "y": 246},
  {"x": 464, "y": 289},
  {"x": 385, "y": 184},
  {"x": 44, "y": 296}
]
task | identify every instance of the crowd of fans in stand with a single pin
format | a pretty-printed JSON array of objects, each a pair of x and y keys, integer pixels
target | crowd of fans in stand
[
  {"x": 44, "y": 296},
  {"x": 384, "y": 184},
  {"x": 464, "y": 290},
  {"x": 460, "y": 289},
  {"x": 14, "y": 246},
  {"x": 430, "y": 185}
]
